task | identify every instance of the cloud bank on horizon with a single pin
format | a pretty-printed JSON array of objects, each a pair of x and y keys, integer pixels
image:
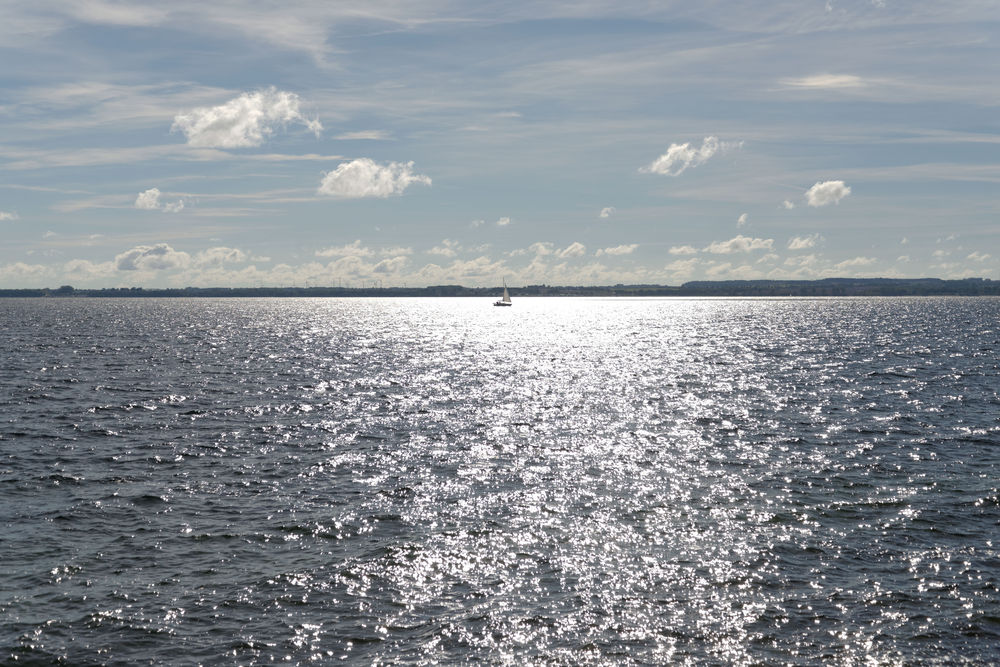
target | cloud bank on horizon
[{"x": 310, "y": 143}]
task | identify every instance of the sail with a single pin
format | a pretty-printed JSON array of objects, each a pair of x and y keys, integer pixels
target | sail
[{"x": 506, "y": 295}]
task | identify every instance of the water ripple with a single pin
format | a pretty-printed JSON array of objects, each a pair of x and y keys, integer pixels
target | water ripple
[{"x": 568, "y": 481}]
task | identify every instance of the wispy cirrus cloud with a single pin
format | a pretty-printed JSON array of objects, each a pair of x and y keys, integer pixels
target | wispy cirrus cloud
[
  {"x": 826, "y": 82},
  {"x": 369, "y": 135},
  {"x": 680, "y": 157},
  {"x": 366, "y": 178},
  {"x": 243, "y": 122}
]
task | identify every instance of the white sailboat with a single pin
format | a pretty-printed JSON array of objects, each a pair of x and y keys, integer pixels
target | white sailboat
[{"x": 505, "y": 301}]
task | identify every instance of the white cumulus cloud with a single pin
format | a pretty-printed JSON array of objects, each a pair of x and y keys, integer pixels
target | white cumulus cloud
[
  {"x": 149, "y": 200},
  {"x": 244, "y": 121},
  {"x": 366, "y": 178},
  {"x": 854, "y": 263},
  {"x": 626, "y": 249},
  {"x": 5, "y": 215},
  {"x": 152, "y": 258},
  {"x": 681, "y": 156},
  {"x": 503, "y": 222},
  {"x": 574, "y": 249},
  {"x": 742, "y": 220},
  {"x": 220, "y": 256},
  {"x": 788, "y": 205},
  {"x": 827, "y": 192},
  {"x": 538, "y": 249},
  {"x": 803, "y": 242},
  {"x": 683, "y": 250},
  {"x": 607, "y": 211},
  {"x": 448, "y": 248},
  {"x": 978, "y": 256},
  {"x": 739, "y": 243},
  {"x": 350, "y": 250}
]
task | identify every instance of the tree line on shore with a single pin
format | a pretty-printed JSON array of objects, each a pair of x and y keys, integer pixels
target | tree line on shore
[{"x": 824, "y": 287}]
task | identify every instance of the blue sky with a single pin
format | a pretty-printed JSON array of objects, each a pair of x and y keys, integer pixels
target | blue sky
[{"x": 360, "y": 143}]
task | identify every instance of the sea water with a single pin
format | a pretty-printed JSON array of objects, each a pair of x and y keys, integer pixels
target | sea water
[{"x": 567, "y": 481}]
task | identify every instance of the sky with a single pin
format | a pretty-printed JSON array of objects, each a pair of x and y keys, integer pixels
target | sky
[{"x": 385, "y": 143}]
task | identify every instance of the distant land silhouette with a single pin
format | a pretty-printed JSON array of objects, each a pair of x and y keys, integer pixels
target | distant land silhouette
[{"x": 825, "y": 287}]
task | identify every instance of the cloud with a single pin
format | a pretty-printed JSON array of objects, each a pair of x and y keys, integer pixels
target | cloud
[
  {"x": 243, "y": 122},
  {"x": 977, "y": 256},
  {"x": 607, "y": 211},
  {"x": 742, "y": 220},
  {"x": 83, "y": 269},
  {"x": 372, "y": 135},
  {"x": 220, "y": 256},
  {"x": 827, "y": 192},
  {"x": 681, "y": 156},
  {"x": 539, "y": 249},
  {"x": 717, "y": 271},
  {"x": 826, "y": 82},
  {"x": 739, "y": 244},
  {"x": 366, "y": 178},
  {"x": 683, "y": 250},
  {"x": 152, "y": 258},
  {"x": 854, "y": 262},
  {"x": 503, "y": 222},
  {"x": 572, "y": 250},
  {"x": 395, "y": 251},
  {"x": 350, "y": 250},
  {"x": 788, "y": 205},
  {"x": 618, "y": 250},
  {"x": 5, "y": 215},
  {"x": 683, "y": 266},
  {"x": 149, "y": 200},
  {"x": 448, "y": 248},
  {"x": 803, "y": 242},
  {"x": 20, "y": 271}
]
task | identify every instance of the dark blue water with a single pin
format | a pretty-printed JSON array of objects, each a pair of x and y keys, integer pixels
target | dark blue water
[{"x": 438, "y": 481}]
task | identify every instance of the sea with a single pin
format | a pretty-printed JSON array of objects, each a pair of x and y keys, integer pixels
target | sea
[{"x": 569, "y": 481}]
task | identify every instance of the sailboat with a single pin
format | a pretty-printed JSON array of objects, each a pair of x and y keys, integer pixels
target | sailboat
[{"x": 505, "y": 301}]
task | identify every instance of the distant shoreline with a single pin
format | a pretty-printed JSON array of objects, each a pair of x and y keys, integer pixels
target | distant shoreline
[{"x": 824, "y": 287}]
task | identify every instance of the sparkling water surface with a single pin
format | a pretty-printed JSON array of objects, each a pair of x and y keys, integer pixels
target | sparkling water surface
[{"x": 568, "y": 481}]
